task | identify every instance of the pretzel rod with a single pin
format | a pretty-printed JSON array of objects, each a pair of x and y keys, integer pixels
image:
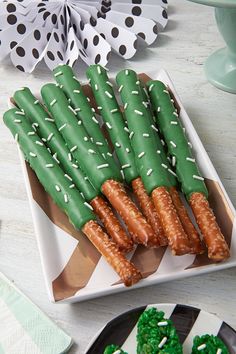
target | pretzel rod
[
  {"x": 186, "y": 168},
  {"x": 68, "y": 199},
  {"x": 125, "y": 269},
  {"x": 217, "y": 247},
  {"x": 96, "y": 168},
  {"x": 178, "y": 241},
  {"x": 45, "y": 128},
  {"x": 71, "y": 87},
  {"x": 148, "y": 208},
  {"x": 116, "y": 194},
  {"x": 195, "y": 241},
  {"x": 112, "y": 224},
  {"x": 153, "y": 171}
]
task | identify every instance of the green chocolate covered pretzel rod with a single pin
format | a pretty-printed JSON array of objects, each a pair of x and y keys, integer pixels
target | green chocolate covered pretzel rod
[
  {"x": 68, "y": 198},
  {"x": 119, "y": 135},
  {"x": 46, "y": 128},
  {"x": 192, "y": 183},
  {"x": 71, "y": 87},
  {"x": 153, "y": 171},
  {"x": 93, "y": 164}
]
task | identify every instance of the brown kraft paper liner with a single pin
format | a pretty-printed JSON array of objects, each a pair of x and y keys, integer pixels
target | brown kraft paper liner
[{"x": 85, "y": 257}]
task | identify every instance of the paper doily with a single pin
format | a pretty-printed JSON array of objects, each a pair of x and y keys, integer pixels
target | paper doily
[{"x": 61, "y": 32}]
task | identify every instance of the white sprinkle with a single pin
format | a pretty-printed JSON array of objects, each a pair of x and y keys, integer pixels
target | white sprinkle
[
  {"x": 154, "y": 128},
  {"x": 35, "y": 125},
  {"x": 72, "y": 110},
  {"x": 198, "y": 177},
  {"x": 36, "y": 102},
  {"x": 141, "y": 154},
  {"x": 16, "y": 137},
  {"x": 109, "y": 154},
  {"x": 201, "y": 347},
  {"x": 50, "y": 136},
  {"x": 19, "y": 113},
  {"x": 108, "y": 94},
  {"x": 73, "y": 148},
  {"x": 55, "y": 158},
  {"x": 145, "y": 104},
  {"x": 72, "y": 186},
  {"x": 49, "y": 150},
  {"x": 96, "y": 87},
  {"x": 117, "y": 352},
  {"x": 120, "y": 88},
  {"x": 173, "y": 122},
  {"x": 173, "y": 144},
  {"x": 108, "y": 125},
  {"x": 127, "y": 150},
  {"x": 17, "y": 120},
  {"x": 49, "y": 165},
  {"x": 159, "y": 109},
  {"x": 99, "y": 108},
  {"x": 131, "y": 135},
  {"x": 86, "y": 178},
  {"x": 189, "y": 144},
  {"x": 158, "y": 151},
  {"x": 114, "y": 110},
  {"x": 99, "y": 143},
  {"x": 172, "y": 100},
  {"x": 149, "y": 172},
  {"x": 122, "y": 174},
  {"x": 61, "y": 86},
  {"x": 173, "y": 161},
  {"x": 50, "y": 119},
  {"x": 126, "y": 106},
  {"x": 134, "y": 92},
  {"x": 138, "y": 112},
  {"x": 74, "y": 165},
  {"x": 175, "y": 114},
  {"x": 145, "y": 135},
  {"x": 32, "y": 154},
  {"x": 31, "y": 133},
  {"x": 126, "y": 72},
  {"x": 163, "y": 143},
  {"x": 102, "y": 166},
  {"x": 57, "y": 188},
  {"x": 184, "y": 129},
  {"x": 44, "y": 140},
  {"x": 162, "y": 324},
  {"x": 126, "y": 129},
  {"x": 99, "y": 70},
  {"x": 137, "y": 82},
  {"x": 93, "y": 110},
  {"x": 172, "y": 172},
  {"x": 91, "y": 151},
  {"x": 190, "y": 159},
  {"x": 53, "y": 102},
  {"x": 75, "y": 78},
  {"x": 162, "y": 343},
  {"x": 109, "y": 83},
  {"x": 88, "y": 99},
  {"x": 57, "y": 85},
  {"x": 63, "y": 126},
  {"x": 79, "y": 122},
  {"x": 88, "y": 205},
  {"x": 68, "y": 177},
  {"x": 77, "y": 109},
  {"x": 166, "y": 91},
  {"x": 164, "y": 165},
  {"x": 95, "y": 120},
  {"x": 103, "y": 155},
  {"x": 125, "y": 166},
  {"x": 58, "y": 73},
  {"x": 76, "y": 91},
  {"x": 66, "y": 198},
  {"x": 151, "y": 87},
  {"x": 219, "y": 351},
  {"x": 118, "y": 145}
]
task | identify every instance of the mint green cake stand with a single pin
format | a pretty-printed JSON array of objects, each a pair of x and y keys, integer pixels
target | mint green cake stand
[{"x": 220, "y": 67}]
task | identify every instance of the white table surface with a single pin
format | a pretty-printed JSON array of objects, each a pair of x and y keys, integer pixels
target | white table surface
[{"x": 190, "y": 37}]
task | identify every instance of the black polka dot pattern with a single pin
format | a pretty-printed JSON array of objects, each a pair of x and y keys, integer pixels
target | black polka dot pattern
[{"x": 21, "y": 28}]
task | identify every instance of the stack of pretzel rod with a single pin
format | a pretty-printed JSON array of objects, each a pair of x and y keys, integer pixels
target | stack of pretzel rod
[
  {"x": 191, "y": 181},
  {"x": 65, "y": 195},
  {"x": 62, "y": 155}
]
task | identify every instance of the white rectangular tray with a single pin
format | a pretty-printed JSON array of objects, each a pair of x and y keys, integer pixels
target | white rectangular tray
[{"x": 74, "y": 271}]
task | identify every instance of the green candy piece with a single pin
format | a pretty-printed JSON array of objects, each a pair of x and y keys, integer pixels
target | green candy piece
[
  {"x": 152, "y": 170},
  {"x": 114, "y": 349},
  {"x": 208, "y": 344},
  {"x": 176, "y": 140},
  {"x": 111, "y": 114},
  {"x": 156, "y": 334},
  {"x": 45, "y": 127},
  {"x": 71, "y": 87},
  {"x": 47, "y": 170},
  {"x": 77, "y": 138}
]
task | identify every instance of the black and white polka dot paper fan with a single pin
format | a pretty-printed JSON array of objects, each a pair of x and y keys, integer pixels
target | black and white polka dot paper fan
[{"x": 64, "y": 31}]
